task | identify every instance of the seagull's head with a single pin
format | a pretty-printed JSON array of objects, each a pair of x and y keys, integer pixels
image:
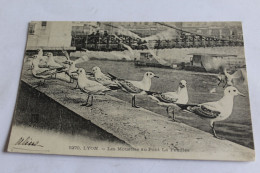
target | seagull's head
[
  {"x": 68, "y": 62},
  {"x": 35, "y": 56},
  {"x": 96, "y": 69},
  {"x": 39, "y": 50},
  {"x": 183, "y": 84},
  {"x": 232, "y": 91},
  {"x": 150, "y": 75},
  {"x": 81, "y": 71},
  {"x": 49, "y": 54}
]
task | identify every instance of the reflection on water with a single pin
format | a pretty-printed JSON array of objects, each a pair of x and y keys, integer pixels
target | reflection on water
[{"x": 236, "y": 128}]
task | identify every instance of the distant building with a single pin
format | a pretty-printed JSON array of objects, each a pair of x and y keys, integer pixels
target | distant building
[
  {"x": 49, "y": 35},
  {"x": 230, "y": 30}
]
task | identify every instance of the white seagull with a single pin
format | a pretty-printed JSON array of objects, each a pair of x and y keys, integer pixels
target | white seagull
[
  {"x": 135, "y": 87},
  {"x": 229, "y": 79},
  {"x": 103, "y": 78},
  {"x": 70, "y": 70},
  {"x": 239, "y": 75},
  {"x": 51, "y": 63},
  {"x": 40, "y": 52},
  {"x": 215, "y": 111},
  {"x": 41, "y": 73},
  {"x": 172, "y": 98},
  {"x": 90, "y": 87}
]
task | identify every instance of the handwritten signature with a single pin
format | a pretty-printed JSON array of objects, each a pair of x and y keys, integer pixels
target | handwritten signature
[{"x": 28, "y": 141}]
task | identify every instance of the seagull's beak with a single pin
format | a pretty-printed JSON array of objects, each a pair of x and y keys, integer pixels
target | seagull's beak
[
  {"x": 239, "y": 93},
  {"x": 156, "y": 76}
]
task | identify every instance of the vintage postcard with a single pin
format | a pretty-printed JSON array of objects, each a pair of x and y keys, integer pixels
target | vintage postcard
[{"x": 170, "y": 90}]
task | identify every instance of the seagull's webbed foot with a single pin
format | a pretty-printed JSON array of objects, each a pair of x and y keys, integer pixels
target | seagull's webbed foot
[
  {"x": 174, "y": 120},
  {"x": 218, "y": 137},
  {"x": 173, "y": 116},
  {"x": 135, "y": 106},
  {"x": 76, "y": 87},
  {"x": 87, "y": 104},
  {"x": 215, "y": 134},
  {"x": 40, "y": 83}
]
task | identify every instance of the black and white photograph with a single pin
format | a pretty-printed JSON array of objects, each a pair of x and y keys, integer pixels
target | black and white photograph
[{"x": 167, "y": 90}]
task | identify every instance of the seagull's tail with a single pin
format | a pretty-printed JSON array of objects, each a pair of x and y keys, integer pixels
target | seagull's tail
[
  {"x": 114, "y": 87},
  {"x": 151, "y": 93},
  {"x": 112, "y": 76},
  {"x": 58, "y": 69},
  {"x": 186, "y": 106}
]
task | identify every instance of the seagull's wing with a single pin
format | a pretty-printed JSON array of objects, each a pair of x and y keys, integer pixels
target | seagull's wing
[
  {"x": 54, "y": 66},
  {"x": 204, "y": 110},
  {"x": 138, "y": 84},
  {"x": 93, "y": 86},
  {"x": 168, "y": 97},
  {"x": 207, "y": 110},
  {"x": 128, "y": 86},
  {"x": 45, "y": 71},
  {"x": 43, "y": 66},
  {"x": 105, "y": 80},
  {"x": 237, "y": 74},
  {"x": 214, "y": 106}
]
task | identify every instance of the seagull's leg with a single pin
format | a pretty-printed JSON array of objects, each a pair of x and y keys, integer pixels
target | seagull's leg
[
  {"x": 167, "y": 110},
  {"x": 85, "y": 104},
  {"x": 225, "y": 84},
  {"x": 40, "y": 83},
  {"x": 214, "y": 132},
  {"x": 133, "y": 100},
  {"x": 173, "y": 116},
  {"x": 91, "y": 102},
  {"x": 226, "y": 80},
  {"x": 77, "y": 86},
  {"x": 219, "y": 82}
]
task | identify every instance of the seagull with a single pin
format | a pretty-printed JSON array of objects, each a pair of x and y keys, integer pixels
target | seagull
[
  {"x": 135, "y": 87},
  {"x": 51, "y": 63},
  {"x": 41, "y": 73},
  {"x": 222, "y": 79},
  {"x": 90, "y": 87},
  {"x": 40, "y": 52},
  {"x": 172, "y": 98},
  {"x": 215, "y": 111},
  {"x": 237, "y": 75},
  {"x": 103, "y": 78},
  {"x": 229, "y": 79},
  {"x": 66, "y": 54},
  {"x": 37, "y": 57},
  {"x": 70, "y": 70}
]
